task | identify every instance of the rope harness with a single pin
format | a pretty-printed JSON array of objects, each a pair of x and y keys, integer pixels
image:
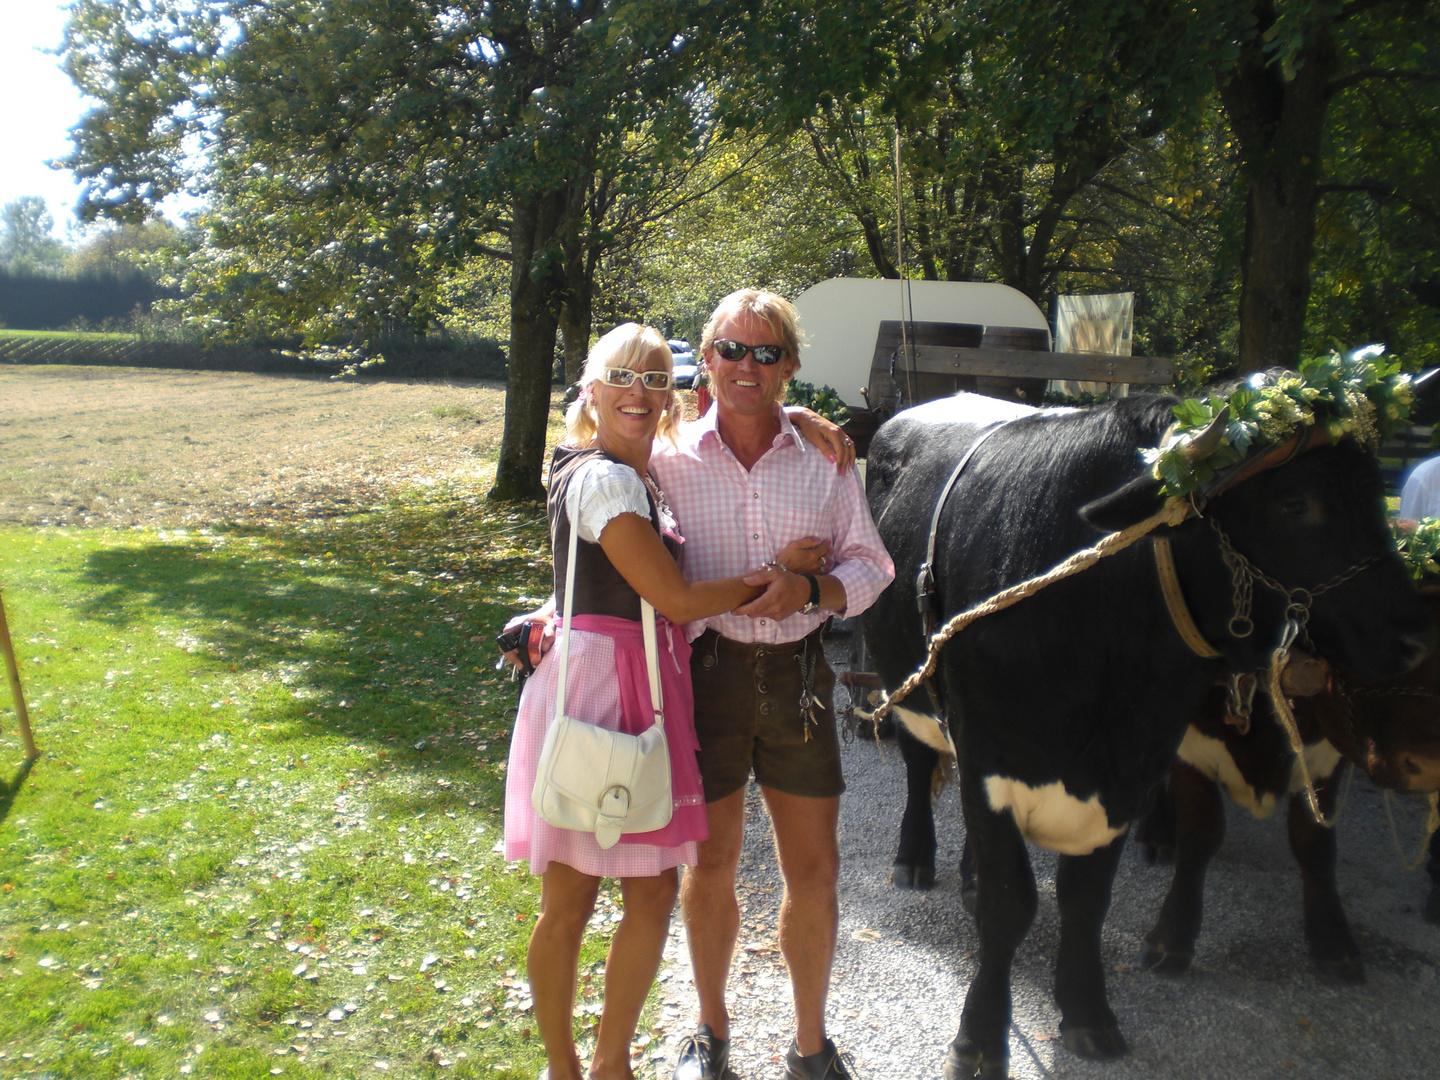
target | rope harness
[
  {"x": 1175, "y": 511},
  {"x": 1432, "y": 823}
]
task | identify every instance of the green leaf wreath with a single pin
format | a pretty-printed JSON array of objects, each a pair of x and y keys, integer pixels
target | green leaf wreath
[
  {"x": 1419, "y": 545},
  {"x": 1361, "y": 395}
]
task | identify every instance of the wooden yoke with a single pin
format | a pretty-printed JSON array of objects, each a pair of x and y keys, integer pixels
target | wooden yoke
[{"x": 938, "y": 359}]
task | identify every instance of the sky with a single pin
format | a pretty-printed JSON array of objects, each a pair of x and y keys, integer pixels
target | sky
[{"x": 41, "y": 105}]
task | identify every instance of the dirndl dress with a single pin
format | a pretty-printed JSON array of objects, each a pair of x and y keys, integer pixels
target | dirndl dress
[{"x": 608, "y": 685}]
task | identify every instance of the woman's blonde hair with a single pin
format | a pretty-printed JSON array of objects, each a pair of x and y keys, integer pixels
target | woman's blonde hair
[{"x": 629, "y": 345}]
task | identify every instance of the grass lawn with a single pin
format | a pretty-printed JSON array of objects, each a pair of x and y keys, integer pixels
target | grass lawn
[
  {"x": 66, "y": 335},
  {"x": 261, "y": 839}
]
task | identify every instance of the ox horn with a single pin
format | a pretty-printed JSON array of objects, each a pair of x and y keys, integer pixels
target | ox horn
[
  {"x": 1203, "y": 444},
  {"x": 1427, "y": 383}
]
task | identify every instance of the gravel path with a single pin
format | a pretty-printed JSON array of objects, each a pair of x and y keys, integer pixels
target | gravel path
[{"x": 1250, "y": 1006}]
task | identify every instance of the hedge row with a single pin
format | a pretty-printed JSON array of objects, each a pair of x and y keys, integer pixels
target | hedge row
[
  {"x": 39, "y": 301},
  {"x": 475, "y": 359}
]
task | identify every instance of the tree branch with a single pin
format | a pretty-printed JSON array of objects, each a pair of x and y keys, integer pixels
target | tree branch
[{"x": 1355, "y": 78}]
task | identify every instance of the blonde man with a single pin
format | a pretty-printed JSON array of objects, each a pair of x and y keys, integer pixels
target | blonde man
[{"x": 746, "y": 484}]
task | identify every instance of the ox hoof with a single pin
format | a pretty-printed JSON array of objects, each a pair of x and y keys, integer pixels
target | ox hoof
[
  {"x": 965, "y": 1061},
  {"x": 1162, "y": 962},
  {"x": 908, "y": 876},
  {"x": 968, "y": 893},
  {"x": 1157, "y": 854},
  {"x": 1096, "y": 1044},
  {"x": 1345, "y": 970},
  {"x": 1431, "y": 911}
]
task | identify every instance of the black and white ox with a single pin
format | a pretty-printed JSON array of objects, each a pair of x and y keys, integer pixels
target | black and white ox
[{"x": 1067, "y": 709}]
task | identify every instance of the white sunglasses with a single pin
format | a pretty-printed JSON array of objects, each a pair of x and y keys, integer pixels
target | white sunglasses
[{"x": 624, "y": 376}]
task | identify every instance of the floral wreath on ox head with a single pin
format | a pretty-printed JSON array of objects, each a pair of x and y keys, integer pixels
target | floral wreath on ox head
[{"x": 1360, "y": 395}]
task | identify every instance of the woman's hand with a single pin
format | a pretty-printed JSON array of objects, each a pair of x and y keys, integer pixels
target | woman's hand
[
  {"x": 542, "y": 634},
  {"x": 785, "y": 593},
  {"x": 808, "y": 555},
  {"x": 824, "y": 436}
]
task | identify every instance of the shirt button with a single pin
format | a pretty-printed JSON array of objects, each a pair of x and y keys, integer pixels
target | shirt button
[
  {"x": 754, "y": 495},
  {"x": 764, "y": 708},
  {"x": 764, "y": 688},
  {"x": 754, "y": 536}
]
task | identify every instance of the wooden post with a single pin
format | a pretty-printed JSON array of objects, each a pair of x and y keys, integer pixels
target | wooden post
[{"x": 13, "y": 671}]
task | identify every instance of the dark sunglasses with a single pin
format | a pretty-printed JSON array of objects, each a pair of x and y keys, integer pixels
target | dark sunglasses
[{"x": 735, "y": 350}]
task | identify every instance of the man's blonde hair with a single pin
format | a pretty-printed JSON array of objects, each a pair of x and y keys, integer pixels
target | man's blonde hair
[{"x": 629, "y": 345}]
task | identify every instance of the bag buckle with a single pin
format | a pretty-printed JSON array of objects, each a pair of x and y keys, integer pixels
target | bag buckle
[{"x": 614, "y": 806}]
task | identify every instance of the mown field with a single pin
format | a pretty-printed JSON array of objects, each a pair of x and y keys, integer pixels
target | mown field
[{"x": 255, "y": 622}]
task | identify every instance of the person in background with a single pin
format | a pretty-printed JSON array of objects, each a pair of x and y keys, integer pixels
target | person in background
[
  {"x": 1420, "y": 497},
  {"x": 744, "y": 483}
]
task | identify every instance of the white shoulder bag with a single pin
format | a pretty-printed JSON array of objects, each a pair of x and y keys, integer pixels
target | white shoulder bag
[{"x": 591, "y": 778}]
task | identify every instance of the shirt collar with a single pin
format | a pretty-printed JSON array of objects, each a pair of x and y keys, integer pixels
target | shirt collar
[{"x": 705, "y": 427}]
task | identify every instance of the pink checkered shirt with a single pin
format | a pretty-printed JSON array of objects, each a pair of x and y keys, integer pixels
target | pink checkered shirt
[{"x": 733, "y": 521}]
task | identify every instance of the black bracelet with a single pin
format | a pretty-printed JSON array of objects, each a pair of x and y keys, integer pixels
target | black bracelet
[{"x": 813, "y": 604}]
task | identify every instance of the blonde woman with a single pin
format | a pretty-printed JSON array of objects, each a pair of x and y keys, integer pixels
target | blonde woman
[{"x": 627, "y": 552}]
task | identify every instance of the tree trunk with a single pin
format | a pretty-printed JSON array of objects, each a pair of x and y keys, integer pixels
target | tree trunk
[
  {"x": 576, "y": 313},
  {"x": 582, "y": 202},
  {"x": 535, "y": 283},
  {"x": 1279, "y": 123},
  {"x": 575, "y": 321}
]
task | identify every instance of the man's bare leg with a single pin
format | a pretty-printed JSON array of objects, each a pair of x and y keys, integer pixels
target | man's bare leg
[
  {"x": 711, "y": 912},
  {"x": 806, "y": 841}
]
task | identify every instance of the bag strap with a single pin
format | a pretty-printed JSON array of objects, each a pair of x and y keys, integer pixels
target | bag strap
[{"x": 647, "y": 618}]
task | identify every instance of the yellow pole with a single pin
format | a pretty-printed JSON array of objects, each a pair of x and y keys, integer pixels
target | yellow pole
[{"x": 31, "y": 754}]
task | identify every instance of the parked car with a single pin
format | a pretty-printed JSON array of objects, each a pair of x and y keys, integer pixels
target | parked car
[{"x": 685, "y": 366}]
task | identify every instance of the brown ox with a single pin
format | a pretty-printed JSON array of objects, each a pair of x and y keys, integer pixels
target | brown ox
[{"x": 1390, "y": 729}]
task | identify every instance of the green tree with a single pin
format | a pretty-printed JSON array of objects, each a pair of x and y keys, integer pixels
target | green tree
[
  {"x": 27, "y": 243},
  {"x": 1004, "y": 112},
  {"x": 124, "y": 249},
  {"x": 357, "y": 152},
  {"x": 1285, "y": 69}
]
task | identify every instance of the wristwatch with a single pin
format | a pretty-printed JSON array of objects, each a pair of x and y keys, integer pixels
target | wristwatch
[{"x": 813, "y": 604}]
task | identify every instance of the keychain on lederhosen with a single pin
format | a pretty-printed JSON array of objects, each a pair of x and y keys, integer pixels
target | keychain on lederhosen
[{"x": 809, "y": 700}]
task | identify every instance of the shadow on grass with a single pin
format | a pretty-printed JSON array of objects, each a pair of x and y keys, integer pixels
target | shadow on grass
[
  {"x": 381, "y": 626},
  {"x": 9, "y": 789}
]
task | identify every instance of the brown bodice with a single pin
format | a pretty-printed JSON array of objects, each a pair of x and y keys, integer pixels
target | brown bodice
[{"x": 599, "y": 588}]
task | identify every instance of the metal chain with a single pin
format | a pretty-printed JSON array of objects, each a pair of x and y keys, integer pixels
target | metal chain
[
  {"x": 1242, "y": 585},
  {"x": 1243, "y": 574}
]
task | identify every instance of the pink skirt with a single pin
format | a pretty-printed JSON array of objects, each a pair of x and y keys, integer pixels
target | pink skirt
[{"x": 608, "y": 685}]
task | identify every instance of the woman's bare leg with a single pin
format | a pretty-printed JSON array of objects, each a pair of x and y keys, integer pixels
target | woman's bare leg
[
  {"x": 630, "y": 969},
  {"x": 567, "y": 898}
]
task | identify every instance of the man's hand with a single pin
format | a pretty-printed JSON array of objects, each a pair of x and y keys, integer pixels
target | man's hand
[
  {"x": 808, "y": 555},
  {"x": 785, "y": 593}
]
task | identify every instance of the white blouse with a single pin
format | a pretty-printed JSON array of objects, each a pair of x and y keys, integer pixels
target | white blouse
[{"x": 607, "y": 489}]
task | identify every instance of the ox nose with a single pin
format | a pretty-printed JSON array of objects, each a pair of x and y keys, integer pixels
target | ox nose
[
  {"x": 1414, "y": 648},
  {"x": 1419, "y": 772}
]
